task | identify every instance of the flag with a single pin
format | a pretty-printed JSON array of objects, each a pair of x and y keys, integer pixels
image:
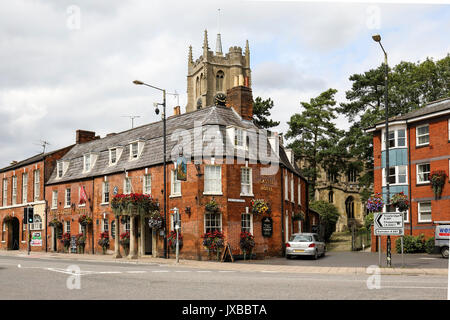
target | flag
[{"x": 83, "y": 196}]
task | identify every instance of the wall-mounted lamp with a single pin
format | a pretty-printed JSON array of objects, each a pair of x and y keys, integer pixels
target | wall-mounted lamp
[{"x": 188, "y": 210}]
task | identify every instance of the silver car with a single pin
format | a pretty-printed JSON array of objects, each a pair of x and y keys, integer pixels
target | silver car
[{"x": 305, "y": 244}]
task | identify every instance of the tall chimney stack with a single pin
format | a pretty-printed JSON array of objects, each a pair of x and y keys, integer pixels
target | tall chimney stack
[
  {"x": 240, "y": 98},
  {"x": 83, "y": 136}
]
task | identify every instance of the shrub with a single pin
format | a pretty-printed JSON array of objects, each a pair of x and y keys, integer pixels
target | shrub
[
  {"x": 411, "y": 244},
  {"x": 368, "y": 220},
  {"x": 429, "y": 245},
  {"x": 329, "y": 216}
]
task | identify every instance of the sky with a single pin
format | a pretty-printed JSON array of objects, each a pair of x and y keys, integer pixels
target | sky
[{"x": 68, "y": 65}]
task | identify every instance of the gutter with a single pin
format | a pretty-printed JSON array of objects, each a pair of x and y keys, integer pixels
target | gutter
[
  {"x": 283, "y": 248},
  {"x": 409, "y": 173}
]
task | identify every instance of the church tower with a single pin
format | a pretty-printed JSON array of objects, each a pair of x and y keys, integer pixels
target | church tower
[{"x": 214, "y": 73}]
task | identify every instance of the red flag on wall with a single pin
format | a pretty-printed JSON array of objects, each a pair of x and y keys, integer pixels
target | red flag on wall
[{"x": 83, "y": 197}]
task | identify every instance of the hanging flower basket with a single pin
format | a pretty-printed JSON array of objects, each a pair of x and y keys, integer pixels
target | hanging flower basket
[
  {"x": 65, "y": 240},
  {"x": 260, "y": 207},
  {"x": 300, "y": 216},
  {"x": 212, "y": 207},
  {"x": 172, "y": 240},
  {"x": 134, "y": 204},
  {"x": 214, "y": 242},
  {"x": 375, "y": 203},
  {"x": 85, "y": 220},
  {"x": 104, "y": 241},
  {"x": 400, "y": 201},
  {"x": 247, "y": 243},
  {"x": 437, "y": 182},
  {"x": 156, "y": 222}
]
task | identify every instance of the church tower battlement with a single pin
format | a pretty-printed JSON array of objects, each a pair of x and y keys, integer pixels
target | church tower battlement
[{"x": 214, "y": 72}]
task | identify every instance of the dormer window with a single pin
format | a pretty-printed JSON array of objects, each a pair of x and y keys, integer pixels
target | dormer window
[
  {"x": 59, "y": 166},
  {"x": 113, "y": 156},
  {"x": 136, "y": 148},
  {"x": 239, "y": 137},
  {"x": 87, "y": 163}
]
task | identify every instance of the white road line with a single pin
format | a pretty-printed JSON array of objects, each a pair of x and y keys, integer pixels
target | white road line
[
  {"x": 226, "y": 271},
  {"x": 383, "y": 287},
  {"x": 183, "y": 271},
  {"x": 136, "y": 271},
  {"x": 109, "y": 272},
  {"x": 204, "y": 271},
  {"x": 160, "y": 271}
]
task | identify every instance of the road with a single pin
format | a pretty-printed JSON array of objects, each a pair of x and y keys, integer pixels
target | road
[{"x": 46, "y": 278}]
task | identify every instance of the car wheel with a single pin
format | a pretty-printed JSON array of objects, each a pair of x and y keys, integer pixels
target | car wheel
[
  {"x": 323, "y": 254},
  {"x": 444, "y": 252},
  {"x": 316, "y": 255}
]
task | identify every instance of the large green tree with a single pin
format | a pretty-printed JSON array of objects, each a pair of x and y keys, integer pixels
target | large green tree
[
  {"x": 316, "y": 139},
  {"x": 261, "y": 113},
  {"x": 410, "y": 86}
]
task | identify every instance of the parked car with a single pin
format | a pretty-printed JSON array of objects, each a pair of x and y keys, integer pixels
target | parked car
[
  {"x": 305, "y": 244},
  {"x": 441, "y": 239}
]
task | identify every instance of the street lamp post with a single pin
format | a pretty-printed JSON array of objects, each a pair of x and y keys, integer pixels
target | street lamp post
[
  {"x": 137, "y": 82},
  {"x": 377, "y": 38}
]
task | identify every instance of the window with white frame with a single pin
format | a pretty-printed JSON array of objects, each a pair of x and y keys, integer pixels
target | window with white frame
[
  {"x": 5, "y": 192},
  {"x": 423, "y": 135},
  {"x": 59, "y": 170},
  {"x": 239, "y": 137},
  {"x": 397, "y": 138},
  {"x": 105, "y": 192},
  {"x": 246, "y": 182},
  {"x": 213, "y": 179},
  {"x": 68, "y": 198},
  {"x": 213, "y": 222},
  {"x": 54, "y": 199},
  {"x": 67, "y": 226},
  {"x": 37, "y": 184},
  {"x": 175, "y": 185},
  {"x": 24, "y": 230},
  {"x": 292, "y": 188},
  {"x": 105, "y": 225},
  {"x": 423, "y": 173},
  {"x": 397, "y": 175},
  {"x": 299, "y": 195},
  {"x": 424, "y": 209},
  {"x": 37, "y": 223},
  {"x": 112, "y": 156},
  {"x": 87, "y": 163},
  {"x": 14, "y": 190},
  {"x": 127, "y": 186},
  {"x": 147, "y": 184},
  {"x": 286, "y": 195},
  {"x": 134, "y": 150},
  {"x": 247, "y": 222},
  {"x": 24, "y": 187}
]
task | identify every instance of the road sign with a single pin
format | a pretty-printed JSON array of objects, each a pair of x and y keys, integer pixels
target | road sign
[{"x": 388, "y": 224}]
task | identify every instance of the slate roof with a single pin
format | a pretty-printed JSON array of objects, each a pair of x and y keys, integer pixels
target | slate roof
[
  {"x": 31, "y": 160},
  {"x": 151, "y": 135},
  {"x": 428, "y": 109}
]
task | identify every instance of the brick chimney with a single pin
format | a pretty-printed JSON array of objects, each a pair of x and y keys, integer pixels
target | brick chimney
[
  {"x": 240, "y": 98},
  {"x": 176, "y": 111},
  {"x": 85, "y": 136}
]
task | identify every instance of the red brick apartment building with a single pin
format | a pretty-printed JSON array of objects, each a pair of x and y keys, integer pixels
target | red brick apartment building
[
  {"x": 132, "y": 162},
  {"x": 23, "y": 185},
  {"x": 419, "y": 144}
]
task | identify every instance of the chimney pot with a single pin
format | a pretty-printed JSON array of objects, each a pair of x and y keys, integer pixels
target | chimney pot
[
  {"x": 83, "y": 136},
  {"x": 176, "y": 110}
]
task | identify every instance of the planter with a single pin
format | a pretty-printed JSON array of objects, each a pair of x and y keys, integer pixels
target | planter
[
  {"x": 249, "y": 254},
  {"x": 104, "y": 250},
  {"x": 126, "y": 250},
  {"x": 81, "y": 249}
]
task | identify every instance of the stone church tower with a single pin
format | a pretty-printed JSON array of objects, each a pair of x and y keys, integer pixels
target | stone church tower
[{"x": 213, "y": 72}]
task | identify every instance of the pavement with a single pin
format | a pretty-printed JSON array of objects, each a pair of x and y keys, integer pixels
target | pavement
[{"x": 355, "y": 263}]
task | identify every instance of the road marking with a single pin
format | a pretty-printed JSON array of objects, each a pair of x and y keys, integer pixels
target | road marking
[
  {"x": 136, "y": 271},
  {"x": 204, "y": 271},
  {"x": 160, "y": 271},
  {"x": 223, "y": 271},
  {"x": 428, "y": 258},
  {"x": 108, "y": 272},
  {"x": 383, "y": 287},
  {"x": 182, "y": 271}
]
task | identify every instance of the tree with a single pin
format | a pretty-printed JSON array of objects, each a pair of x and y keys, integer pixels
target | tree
[
  {"x": 261, "y": 112},
  {"x": 317, "y": 141},
  {"x": 329, "y": 216}
]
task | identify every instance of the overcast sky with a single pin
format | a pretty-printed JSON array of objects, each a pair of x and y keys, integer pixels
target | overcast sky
[{"x": 68, "y": 65}]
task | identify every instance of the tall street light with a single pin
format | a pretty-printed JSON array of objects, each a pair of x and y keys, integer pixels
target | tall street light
[
  {"x": 137, "y": 82},
  {"x": 377, "y": 38}
]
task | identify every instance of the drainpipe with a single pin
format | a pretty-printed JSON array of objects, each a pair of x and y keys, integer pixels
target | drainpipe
[
  {"x": 92, "y": 211},
  {"x": 409, "y": 173}
]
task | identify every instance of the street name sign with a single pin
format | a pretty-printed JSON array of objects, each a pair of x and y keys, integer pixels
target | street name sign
[{"x": 388, "y": 224}]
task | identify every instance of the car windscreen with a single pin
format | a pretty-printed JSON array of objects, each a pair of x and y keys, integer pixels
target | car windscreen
[{"x": 300, "y": 238}]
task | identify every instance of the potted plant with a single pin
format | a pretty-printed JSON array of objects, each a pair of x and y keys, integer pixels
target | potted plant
[
  {"x": 214, "y": 242},
  {"x": 437, "y": 179},
  {"x": 400, "y": 201},
  {"x": 65, "y": 240},
  {"x": 81, "y": 242},
  {"x": 247, "y": 243},
  {"x": 133, "y": 204},
  {"x": 104, "y": 241},
  {"x": 299, "y": 216},
  {"x": 260, "y": 207},
  {"x": 55, "y": 223},
  {"x": 375, "y": 203},
  {"x": 212, "y": 207},
  {"x": 84, "y": 220},
  {"x": 125, "y": 242},
  {"x": 155, "y": 221},
  {"x": 172, "y": 240}
]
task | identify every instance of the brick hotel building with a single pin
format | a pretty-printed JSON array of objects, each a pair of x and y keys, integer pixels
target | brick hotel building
[{"x": 419, "y": 143}]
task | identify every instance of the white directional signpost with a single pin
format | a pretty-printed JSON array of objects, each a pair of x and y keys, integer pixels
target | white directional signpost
[{"x": 389, "y": 224}]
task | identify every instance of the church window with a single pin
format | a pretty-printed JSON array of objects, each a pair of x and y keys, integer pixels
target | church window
[{"x": 219, "y": 81}]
